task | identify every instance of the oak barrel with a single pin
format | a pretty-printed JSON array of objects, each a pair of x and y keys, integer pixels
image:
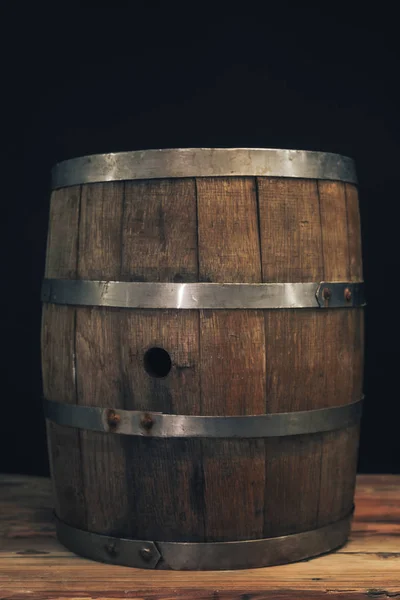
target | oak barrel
[{"x": 202, "y": 355}]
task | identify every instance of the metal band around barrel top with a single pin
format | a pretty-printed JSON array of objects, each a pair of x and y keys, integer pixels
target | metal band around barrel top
[
  {"x": 161, "y": 425},
  {"x": 204, "y": 556},
  {"x": 203, "y": 295},
  {"x": 203, "y": 162}
]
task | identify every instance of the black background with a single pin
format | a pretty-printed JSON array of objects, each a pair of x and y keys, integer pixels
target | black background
[{"x": 85, "y": 79}]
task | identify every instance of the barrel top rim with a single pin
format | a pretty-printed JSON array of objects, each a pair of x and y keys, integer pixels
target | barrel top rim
[
  {"x": 182, "y": 162},
  {"x": 202, "y": 149}
]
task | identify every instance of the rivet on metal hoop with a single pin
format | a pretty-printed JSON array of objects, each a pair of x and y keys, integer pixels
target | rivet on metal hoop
[
  {"x": 146, "y": 554},
  {"x": 347, "y": 294},
  {"x": 113, "y": 419},
  {"x": 147, "y": 421}
]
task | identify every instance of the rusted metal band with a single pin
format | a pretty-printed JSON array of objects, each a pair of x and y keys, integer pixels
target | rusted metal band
[
  {"x": 160, "y": 425},
  {"x": 204, "y": 556},
  {"x": 203, "y": 162},
  {"x": 123, "y": 294}
]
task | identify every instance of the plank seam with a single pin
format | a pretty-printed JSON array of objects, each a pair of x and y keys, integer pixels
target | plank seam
[
  {"x": 349, "y": 269},
  {"x": 259, "y": 226},
  {"x": 122, "y": 230},
  {"x": 199, "y": 314},
  {"x": 322, "y": 236},
  {"x": 75, "y": 362}
]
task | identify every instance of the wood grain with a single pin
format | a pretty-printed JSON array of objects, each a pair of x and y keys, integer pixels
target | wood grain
[
  {"x": 228, "y": 229},
  {"x": 166, "y": 495},
  {"x": 97, "y": 359},
  {"x": 291, "y": 249},
  {"x": 291, "y": 244},
  {"x": 159, "y": 231},
  {"x": 232, "y": 350},
  {"x": 356, "y": 274},
  {"x": 354, "y": 232},
  {"x": 103, "y": 455},
  {"x": 176, "y": 332},
  {"x": 224, "y": 229},
  {"x": 34, "y": 565},
  {"x": 100, "y": 231},
  {"x": 304, "y": 237},
  {"x": 58, "y": 357},
  {"x": 62, "y": 237},
  {"x": 165, "y": 476},
  {"x": 58, "y": 336},
  {"x": 337, "y": 481},
  {"x": 335, "y": 245},
  {"x": 345, "y": 336}
]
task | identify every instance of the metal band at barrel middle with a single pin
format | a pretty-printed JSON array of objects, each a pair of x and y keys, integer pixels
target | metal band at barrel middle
[
  {"x": 160, "y": 425},
  {"x": 121, "y": 294}
]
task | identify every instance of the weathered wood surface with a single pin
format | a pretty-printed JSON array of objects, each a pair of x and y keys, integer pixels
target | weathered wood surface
[
  {"x": 232, "y": 358},
  {"x": 33, "y": 565},
  {"x": 59, "y": 356},
  {"x": 237, "y": 362},
  {"x": 305, "y": 237}
]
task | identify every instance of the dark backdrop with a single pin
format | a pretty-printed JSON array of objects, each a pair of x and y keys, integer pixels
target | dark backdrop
[{"x": 84, "y": 80}]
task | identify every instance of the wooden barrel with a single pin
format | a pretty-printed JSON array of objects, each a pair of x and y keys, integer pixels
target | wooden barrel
[{"x": 202, "y": 352}]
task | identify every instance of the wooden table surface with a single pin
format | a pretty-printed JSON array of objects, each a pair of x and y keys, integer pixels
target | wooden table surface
[{"x": 33, "y": 565}]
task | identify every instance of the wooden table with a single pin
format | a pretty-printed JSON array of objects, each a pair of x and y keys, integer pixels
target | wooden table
[{"x": 33, "y": 565}]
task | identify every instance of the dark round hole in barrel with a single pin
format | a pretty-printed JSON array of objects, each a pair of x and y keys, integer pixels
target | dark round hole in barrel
[{"x": 157, "y": 362}]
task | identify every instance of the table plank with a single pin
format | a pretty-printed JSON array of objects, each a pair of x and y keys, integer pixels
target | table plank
[{"x": 34, "y": 565}]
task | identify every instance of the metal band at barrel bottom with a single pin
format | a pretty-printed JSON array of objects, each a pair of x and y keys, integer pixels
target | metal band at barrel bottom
[
  {"x": 159, "y": 425},
  {"x": 191, "y": 296},
  {"x": 203, "y": 162},
  {"x": 204, "y": 556}
]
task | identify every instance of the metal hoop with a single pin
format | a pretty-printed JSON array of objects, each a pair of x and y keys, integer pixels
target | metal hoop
[
  {"x": 203, "y": 162},
  {"x": 203, "y": 295},
  {"x": 160, "y": 425},
  {"x": 204, "y": 556}
]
